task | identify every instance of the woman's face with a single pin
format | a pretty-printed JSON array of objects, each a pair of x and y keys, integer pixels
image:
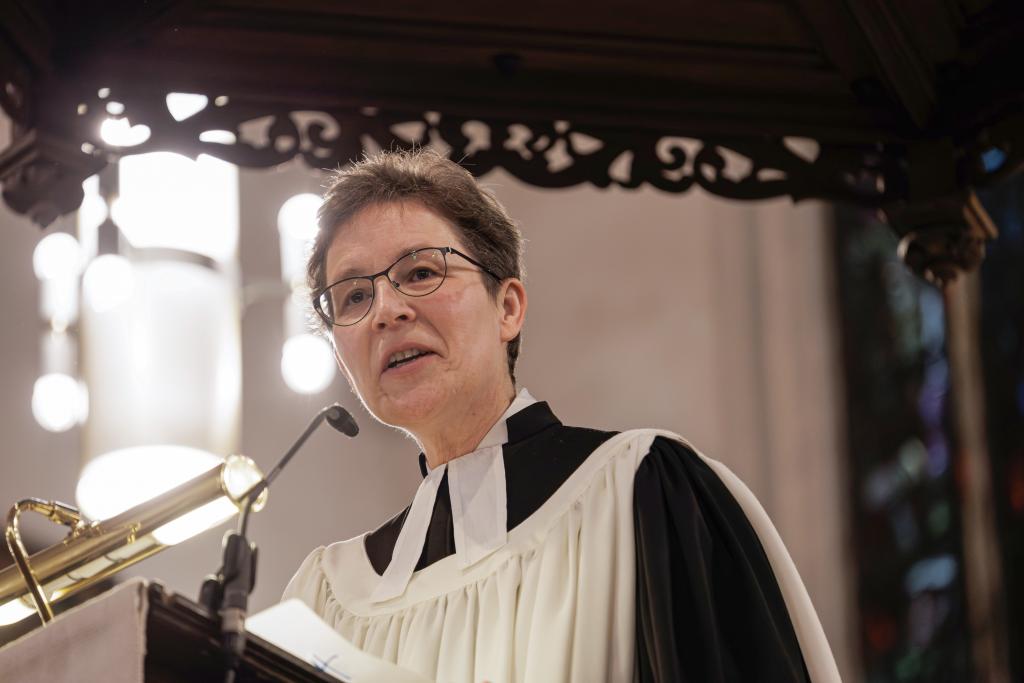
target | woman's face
[{"x": 460, "y": 328}]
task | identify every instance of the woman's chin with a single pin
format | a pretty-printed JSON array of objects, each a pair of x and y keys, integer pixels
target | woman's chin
[{"x": 409, "y": 409}]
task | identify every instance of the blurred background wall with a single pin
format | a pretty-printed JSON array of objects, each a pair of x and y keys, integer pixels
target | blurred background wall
[{"x": 718, "y": 321}]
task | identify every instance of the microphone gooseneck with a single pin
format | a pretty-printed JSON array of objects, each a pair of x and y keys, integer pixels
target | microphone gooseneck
[
  {"x": 227, "y": 593},
  {"x": 336, "y": 416}
]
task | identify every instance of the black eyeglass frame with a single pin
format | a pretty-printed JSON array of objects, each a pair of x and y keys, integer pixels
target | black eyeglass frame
[{"x": 445, "y": 251}]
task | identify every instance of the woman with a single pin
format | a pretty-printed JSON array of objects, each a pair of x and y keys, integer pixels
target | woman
[{"x": 532, "y": 551}]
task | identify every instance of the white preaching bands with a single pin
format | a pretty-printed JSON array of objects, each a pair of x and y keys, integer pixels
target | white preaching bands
[{"x": 476, "y": 485}]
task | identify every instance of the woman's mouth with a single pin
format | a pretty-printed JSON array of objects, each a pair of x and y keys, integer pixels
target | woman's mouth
[{"x": 404, "y": 358}]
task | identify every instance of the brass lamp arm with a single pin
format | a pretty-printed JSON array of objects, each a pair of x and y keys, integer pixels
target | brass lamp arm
[{"x": 60, "y": 513}]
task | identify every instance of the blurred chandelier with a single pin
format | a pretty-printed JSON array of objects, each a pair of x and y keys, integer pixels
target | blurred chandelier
[{"x": 143, "y": 309}]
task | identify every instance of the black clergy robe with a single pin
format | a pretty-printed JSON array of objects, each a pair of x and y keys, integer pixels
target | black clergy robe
[{"x": 708, "y": 607}]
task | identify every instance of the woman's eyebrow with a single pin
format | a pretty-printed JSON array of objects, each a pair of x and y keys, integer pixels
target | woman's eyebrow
[
  {"x": 345, "y": 274},
  {"x": 358, "y": 272}
]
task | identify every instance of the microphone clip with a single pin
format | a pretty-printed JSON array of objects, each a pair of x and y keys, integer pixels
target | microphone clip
[
  {"x": 237, "y": 573},
  {"x": 226, "y": 594}
]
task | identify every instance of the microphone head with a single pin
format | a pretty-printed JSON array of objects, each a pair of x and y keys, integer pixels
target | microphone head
[{"x": 340, "y": 419}]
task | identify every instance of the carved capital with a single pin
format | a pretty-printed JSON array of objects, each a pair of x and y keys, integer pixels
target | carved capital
[
  {"x": 944, "y": 237},
  {"x": 42, "y": 175}
]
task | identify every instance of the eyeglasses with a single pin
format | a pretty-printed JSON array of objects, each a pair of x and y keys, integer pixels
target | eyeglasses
[{"x": 418, "y": 273}]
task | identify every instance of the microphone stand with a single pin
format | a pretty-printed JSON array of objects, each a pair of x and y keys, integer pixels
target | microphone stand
[{"x": 227, "y": 592}]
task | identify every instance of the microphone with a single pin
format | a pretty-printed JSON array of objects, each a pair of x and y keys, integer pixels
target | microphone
[
  {"x": 336, "y": 416},
  {"x": 227, "y": 593},
  {"x": 340, "y": 419}
]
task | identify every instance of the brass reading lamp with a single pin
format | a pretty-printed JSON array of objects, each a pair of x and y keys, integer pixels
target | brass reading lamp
[{"x": 92, "y": 551}]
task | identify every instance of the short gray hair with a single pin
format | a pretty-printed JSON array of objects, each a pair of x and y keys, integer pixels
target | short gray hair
[{"x": 442, "y": 186}]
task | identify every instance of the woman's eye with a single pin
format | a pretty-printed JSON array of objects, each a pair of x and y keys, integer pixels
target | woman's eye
[
  {"x": 420, "y": 274},
  {"x": 355, "y": 298}
]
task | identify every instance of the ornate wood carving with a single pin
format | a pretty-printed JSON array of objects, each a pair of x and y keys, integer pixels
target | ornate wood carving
[
  {"x": 922, "y": 194},
  {"x": 547, "y": 154}
]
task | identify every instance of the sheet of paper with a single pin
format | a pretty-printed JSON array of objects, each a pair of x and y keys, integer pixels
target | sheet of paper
[{"x": 294, "y": 627}]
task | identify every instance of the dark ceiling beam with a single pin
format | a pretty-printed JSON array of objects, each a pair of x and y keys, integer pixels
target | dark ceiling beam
[
  {"x": 26, "y": 44},
  {"x": 724, "y": 23},
  {"x": 26, "y": 30},
  {"x": 640, "y": 102},
  {"x": 84, "y": 25},
  {"x": 909, "y": 77},
  {"x": 829, "y": 23}
]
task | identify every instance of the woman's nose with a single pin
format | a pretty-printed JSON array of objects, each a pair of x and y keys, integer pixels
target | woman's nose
[{"x": 389, "y": 305}]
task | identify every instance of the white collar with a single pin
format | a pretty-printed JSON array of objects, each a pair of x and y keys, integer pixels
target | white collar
[{"x": 476, "y": 486}]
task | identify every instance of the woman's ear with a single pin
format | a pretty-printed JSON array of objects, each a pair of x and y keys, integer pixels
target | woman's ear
[{"x": 512, "y": 299}]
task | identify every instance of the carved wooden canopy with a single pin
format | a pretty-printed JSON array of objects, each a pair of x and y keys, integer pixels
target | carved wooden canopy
[{"x": 902, "y": 106}]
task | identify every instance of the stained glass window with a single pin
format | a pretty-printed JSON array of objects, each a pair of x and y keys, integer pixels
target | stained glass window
[
  {"x": 1002, "y": 348},
  {"x": 906, "y": 524}
]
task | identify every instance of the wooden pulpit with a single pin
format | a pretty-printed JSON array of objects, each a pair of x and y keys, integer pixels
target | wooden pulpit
[{"x": 141, "y": 631}]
